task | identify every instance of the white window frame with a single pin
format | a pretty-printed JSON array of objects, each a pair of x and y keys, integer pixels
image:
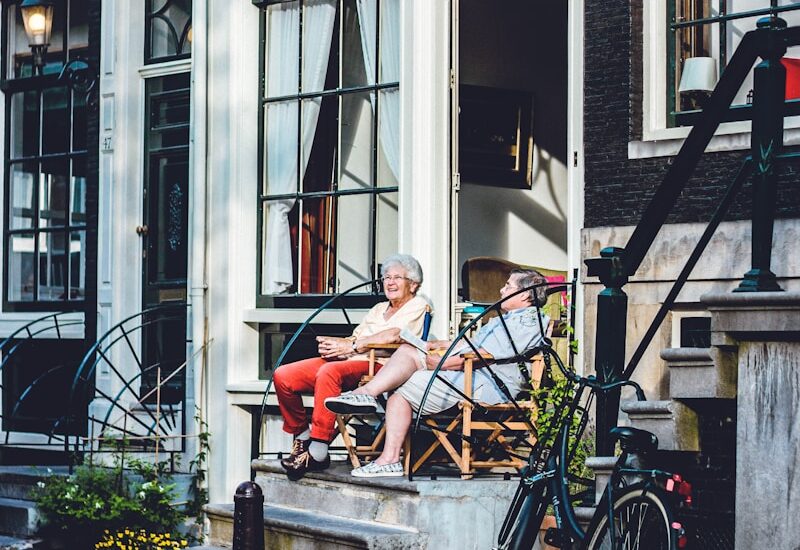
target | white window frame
[{"x": 659, "y": 140}]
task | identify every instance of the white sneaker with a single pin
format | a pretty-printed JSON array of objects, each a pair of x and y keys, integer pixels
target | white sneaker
[
  {"x": 395, "y": 469},
  {"x": 353, "y": 403}
]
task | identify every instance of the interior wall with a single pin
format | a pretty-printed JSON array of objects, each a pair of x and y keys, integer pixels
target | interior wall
[{"x": 522, "y": 47}]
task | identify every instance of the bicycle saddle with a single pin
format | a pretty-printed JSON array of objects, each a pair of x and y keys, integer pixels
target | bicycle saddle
[{"x": 634, "y": 440}]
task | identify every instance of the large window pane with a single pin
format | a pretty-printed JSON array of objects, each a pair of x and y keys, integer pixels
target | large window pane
[
  {"x": 20, "y": 267},
  {"x": 53, "y": 267},
  {"x": 280, "y": 162},
  {"x": 77, "y": 265},
  {"x": 78, "y": 25},
  {"x": 53, "y": 188},
  {"x": 390, "y": 41},
  {"x": 354, "y": 248},
  {"x": 388, "y": 137},
  {"x": 77, "y": 192},
  {"x": 55, "y": 121},
  {"x": 21, "y": 199},
  {"x": 317, "y": 245},
  {"x": 318, "y": 21},
  {"x": 358, "y": 42},
  {"x": 320, "y": 134},
  {"x": 25, "y": 124},
  {"x": 386, "y": 225},
  {"x": 358, "y": 139}
]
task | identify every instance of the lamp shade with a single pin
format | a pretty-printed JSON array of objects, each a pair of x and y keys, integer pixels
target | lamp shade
[
  {"x": 37, "y": 16},
  {"x": 699, "y": 75}
]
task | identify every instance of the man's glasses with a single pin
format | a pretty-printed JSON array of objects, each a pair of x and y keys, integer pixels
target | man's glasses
[{"x": 393, "y": 278}]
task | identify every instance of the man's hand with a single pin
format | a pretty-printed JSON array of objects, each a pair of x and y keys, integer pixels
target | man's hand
[
  {"x": 331, "y": 347},
  {"x": 451, "y": 363}
]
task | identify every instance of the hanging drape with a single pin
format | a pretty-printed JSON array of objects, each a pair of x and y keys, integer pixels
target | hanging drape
[
  {"x": 282, "y": 120},
  {"x": 389, "y": 102}
]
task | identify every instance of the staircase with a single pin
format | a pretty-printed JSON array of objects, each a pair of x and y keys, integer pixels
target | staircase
[
  {"x": 696, "y": 429},
  {"x": 18, "y": 517},
  {"x": 332, "y": 509}
]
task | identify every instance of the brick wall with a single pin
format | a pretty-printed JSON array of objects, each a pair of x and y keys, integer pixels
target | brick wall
[{"x": 618, "y": 189}]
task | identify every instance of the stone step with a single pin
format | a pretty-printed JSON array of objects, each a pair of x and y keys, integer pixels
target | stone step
[
  {"x": 12, "y": 543},
  {"x": 434, "y": 508},
  {"x": 17, "y": 482},
  {"x": 701, "y": 373},
  {"x": 290, "y": 528},
  {"x": 675, "y": 424},
  {"x": 17, "y": 517},
  {"x": 419, "y": 504}
]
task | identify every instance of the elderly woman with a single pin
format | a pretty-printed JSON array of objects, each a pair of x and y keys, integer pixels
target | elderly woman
[{"x": 342, "y": 363}]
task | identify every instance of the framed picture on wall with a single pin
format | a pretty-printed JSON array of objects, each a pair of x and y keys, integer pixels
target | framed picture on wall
[{"x": 495, "y": 136}]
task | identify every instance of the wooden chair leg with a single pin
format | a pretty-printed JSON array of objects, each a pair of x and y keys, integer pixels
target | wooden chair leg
[{"x": 341, "y": 423}]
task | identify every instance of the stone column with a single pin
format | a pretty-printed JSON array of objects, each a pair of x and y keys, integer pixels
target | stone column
[{"x": 763, "y": 330}]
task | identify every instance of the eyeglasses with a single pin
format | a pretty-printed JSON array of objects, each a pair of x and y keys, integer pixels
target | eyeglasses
[{"x": 393, "y": 278}]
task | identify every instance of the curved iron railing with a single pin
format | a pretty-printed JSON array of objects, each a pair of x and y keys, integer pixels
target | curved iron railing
[
  {"x": 25, "y": 415},
  {"x": 138, "y": 418},
  {"x": 306, "y": 325}
]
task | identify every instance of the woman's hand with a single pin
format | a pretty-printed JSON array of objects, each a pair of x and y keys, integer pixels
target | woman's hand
[{"x": 331, "y": 347}]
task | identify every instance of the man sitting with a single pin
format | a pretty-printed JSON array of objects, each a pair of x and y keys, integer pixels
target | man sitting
[{"x": 409, "y": 370}]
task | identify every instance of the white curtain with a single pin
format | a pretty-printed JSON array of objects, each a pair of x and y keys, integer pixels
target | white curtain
[
  {"x": 282, "y": 120},
  {"x": 389, "y": 117}
]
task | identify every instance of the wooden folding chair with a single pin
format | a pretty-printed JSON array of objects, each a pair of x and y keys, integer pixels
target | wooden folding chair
[{"x": 493, "y": 436}]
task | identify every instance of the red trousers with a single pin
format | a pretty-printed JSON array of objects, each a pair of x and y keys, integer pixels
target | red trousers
[{"x": 323, "y": 379}]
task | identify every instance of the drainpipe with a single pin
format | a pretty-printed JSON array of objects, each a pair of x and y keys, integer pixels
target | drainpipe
[{"x": 199, "y": 266}]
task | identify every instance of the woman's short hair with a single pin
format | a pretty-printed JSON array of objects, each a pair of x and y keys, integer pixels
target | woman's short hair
[
  {"x": 530, "y": 277},
  {"x": 408, "y": 262}
]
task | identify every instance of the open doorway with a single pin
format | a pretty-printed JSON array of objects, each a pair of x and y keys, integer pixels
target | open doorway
[{"x": 512, "y": 138}]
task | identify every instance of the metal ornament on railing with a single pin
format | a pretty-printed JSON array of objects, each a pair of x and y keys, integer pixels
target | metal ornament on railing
[{"x": 81, "y": 76}]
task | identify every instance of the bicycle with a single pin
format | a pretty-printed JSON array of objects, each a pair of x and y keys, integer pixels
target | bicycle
[{"x": 638, "y": 502}]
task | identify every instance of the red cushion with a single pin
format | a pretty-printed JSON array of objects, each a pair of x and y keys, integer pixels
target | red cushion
[
  {"x": 792, "y": 77},
  {"x": 558, "y": 279}
]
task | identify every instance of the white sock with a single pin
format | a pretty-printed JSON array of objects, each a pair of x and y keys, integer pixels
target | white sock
[
  {"x": 318, "y": 450},
  {"x": 304, "y": 435}
]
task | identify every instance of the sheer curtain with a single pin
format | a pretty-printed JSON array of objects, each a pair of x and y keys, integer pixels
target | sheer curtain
[
  {"x": 282, "y": 120},
  {"x": 389, "y": 117}
]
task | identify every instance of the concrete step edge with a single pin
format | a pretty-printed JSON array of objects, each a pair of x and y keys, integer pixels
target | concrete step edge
[{"x": 295, "y": 520}]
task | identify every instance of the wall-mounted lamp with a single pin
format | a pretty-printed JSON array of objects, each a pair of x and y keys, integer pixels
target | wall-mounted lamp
[
  {"x": 698, "y": 79},
  {"x": 37, "y": 16}
]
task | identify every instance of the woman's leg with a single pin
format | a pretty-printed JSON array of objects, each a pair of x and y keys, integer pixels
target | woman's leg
[
  {"x": 401, "y": 365},
  {"x": 398, "y": 420},
  {"x": 330, "y": 380},
  {"x": 290, "y": 381}
]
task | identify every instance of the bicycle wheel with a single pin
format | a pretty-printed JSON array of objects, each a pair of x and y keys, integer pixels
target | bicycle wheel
[
  {"x": 642, "y": 519},
  {"x": 524, "y": 517}
]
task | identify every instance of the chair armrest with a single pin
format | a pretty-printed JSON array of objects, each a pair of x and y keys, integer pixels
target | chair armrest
[
  {"x": 472, "y": 355},
  {"x": 382, "y": 346}
]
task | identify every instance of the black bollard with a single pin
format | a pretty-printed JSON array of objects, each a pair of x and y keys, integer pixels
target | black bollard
[{"x": 248, "y": 517}]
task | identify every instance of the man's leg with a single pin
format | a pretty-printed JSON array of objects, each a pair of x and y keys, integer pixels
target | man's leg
[{"x": 401, "y": 365}]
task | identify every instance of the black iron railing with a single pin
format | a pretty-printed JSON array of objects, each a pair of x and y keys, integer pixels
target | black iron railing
[{"x": 615, "y": 265}]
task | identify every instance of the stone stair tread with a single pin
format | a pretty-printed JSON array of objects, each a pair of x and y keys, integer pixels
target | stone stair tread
[
  {"x": 680, "y": 355},
  {"x": 13, "y": 543},
  {"x": 652, "y": 407},
  {"x": 17, "y": 503},
  {"x": 321, "y": 525},
  {"x": 340, "y": 472}
]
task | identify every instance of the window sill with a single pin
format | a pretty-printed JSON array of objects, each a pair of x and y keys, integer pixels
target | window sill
[
  {"x": 13, "y": 321},
  {"x": 730, "y": 136},
  {"x": 332, "y": 316}
]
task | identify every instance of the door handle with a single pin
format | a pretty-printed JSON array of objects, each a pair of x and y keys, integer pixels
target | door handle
[{"x": 141, "y": 230}]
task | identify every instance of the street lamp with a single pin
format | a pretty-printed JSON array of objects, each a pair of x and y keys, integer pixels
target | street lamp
[{"x": 37, "y": 16}]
